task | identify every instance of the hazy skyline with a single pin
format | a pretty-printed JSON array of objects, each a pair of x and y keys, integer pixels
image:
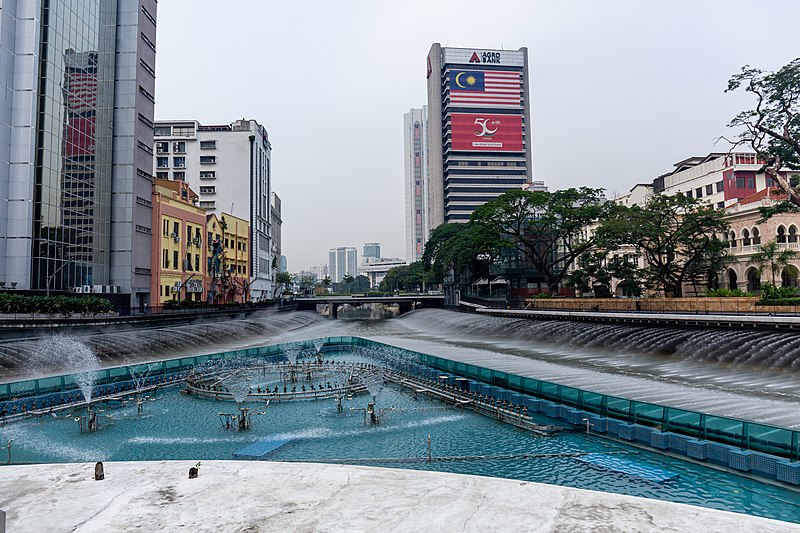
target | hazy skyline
[{"x": 620, "y": 91}]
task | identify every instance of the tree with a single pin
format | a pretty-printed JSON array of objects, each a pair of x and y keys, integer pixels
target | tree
[
  {"x": 771, "y": 255},
  {"x": 407, "y": 278},
  {"x": 434, "y": 259},
  {"x": 283, "y": 279},
  {"x": 772, "y": 127},
  {"x": 675, "y": 234},
  {"x": 547, "y": 227},
  {"x": 326, "y": 282},
  {"x": 592, "y": 274}
]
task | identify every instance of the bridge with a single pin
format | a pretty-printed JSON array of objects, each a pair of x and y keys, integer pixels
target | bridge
[{"x": 405, "y": 302}]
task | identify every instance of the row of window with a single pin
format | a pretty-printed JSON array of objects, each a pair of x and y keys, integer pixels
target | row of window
[
  {"x": 179, "y": 147},
  {"x": 753, "y": 236}
]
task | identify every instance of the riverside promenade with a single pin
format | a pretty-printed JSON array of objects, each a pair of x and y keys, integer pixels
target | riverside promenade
[{"x": 233, "y": 496}]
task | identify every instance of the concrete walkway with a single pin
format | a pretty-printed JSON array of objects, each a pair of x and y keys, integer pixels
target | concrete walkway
[{"x": 233, "y": 496}]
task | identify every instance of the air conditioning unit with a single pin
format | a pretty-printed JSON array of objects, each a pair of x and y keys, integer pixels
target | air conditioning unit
[
  {"x": 77, "y": 290},
  {"x": 87, "y": 289},
  {"x": 174, "y": 288},
  {"x": 177, "y": 239},
  {"x": 196, "y": 241},
  {"x": 98, "y": 289}
]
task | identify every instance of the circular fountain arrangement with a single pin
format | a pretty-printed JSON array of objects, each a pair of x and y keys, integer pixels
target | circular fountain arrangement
[{"x": 256, "y": 380}]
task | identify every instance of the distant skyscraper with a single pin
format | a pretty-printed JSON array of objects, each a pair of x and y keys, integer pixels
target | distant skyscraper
[
  {"x": 76, "y": 122},
  {"x": 479, "y": 119},
  {"x": 415, "y": 136},
  {"x": 341, "y": 261},
  {"x": 372, "y": 249}
]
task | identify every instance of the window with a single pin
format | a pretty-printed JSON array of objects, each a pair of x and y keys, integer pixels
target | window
[
  {"x": 208, "y": 145},
  {"x": 792, "y": 233},
  {"x": 732, "y": 240},
  {"x": 226, "y": 242},
  {"x": 197, "y": 262},
  {"x": 208, "y": 205},
  {"x": 208, "y": 174},
  {"x": 208, "y": 190},
  {"x": 162, "y": 147},
  {"x": 162, "y": 175},
  {"x": 179, "y": 147},
  {"x": 720, "y": 186},
  {"x": 709, "y": 190},
  {"x": 179, "y": 176},
  {"x": 698, "y": 192},
  {"x": 740, "y": 182},
  {"x": 751, "y": 182},
  {"x": 179, "y": 162},
  {"x": 208, "y": 159},
  {"x": 162, "y": 162},
  {"x": 244, "y": 246},
  {"x": 772, "y": 182},
  {"x": 745, "y": 237},
  {"x": 163, "y": 131},
  {"x": 781, "y": 234},
  {"x": 165, "y": 258},
  {"x": 756, "y": 236},
  {"x": 176, "y": 229},
  {"x": 188, "y": 234},
  {"x": 689, "y": 194},
  {"x": 175, "y": 259},
  {"x": 721, "y": 205},
  {"x": 187, "y": 264}
]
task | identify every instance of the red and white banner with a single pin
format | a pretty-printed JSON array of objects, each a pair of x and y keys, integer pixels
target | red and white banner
[
  {"x": 486, "y": 132},
  {"x": 498, "y": 89}
]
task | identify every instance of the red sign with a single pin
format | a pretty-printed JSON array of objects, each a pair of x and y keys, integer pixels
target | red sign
[
  {"x": 474, "y": 58},
  {"x": 486, "y": 132}
]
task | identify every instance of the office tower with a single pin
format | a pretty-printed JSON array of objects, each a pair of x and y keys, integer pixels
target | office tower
[{"x": 479, "y": 128}]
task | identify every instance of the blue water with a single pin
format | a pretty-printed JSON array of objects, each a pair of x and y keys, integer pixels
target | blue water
[{"x": 181, "y": 427}]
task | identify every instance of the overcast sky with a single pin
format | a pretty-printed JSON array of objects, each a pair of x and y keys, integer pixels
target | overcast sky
[{"x": 620, "y": 90}]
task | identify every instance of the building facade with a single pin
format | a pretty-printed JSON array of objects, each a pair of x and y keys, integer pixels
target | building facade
[
  {"x": 342, "y": 261},
  {"x": 415, "y": 166},
  {"x": 228, "y": 239},
  {"x": 229, "y": 166},
  {"x": 276, "y": 222},
  {"x": 478, "y": 128},
  {"x": 76, "y": 122},
  {"x": 376, "y": 268},
  {"x": 179, "y": 270},
  {"x": 371, "y": 249}
]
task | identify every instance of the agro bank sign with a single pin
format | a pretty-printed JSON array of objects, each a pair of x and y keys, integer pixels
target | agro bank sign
[{"x": 476, "y": 57}]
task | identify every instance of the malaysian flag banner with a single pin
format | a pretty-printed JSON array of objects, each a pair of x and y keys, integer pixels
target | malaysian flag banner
[{"x": 484, "y": 88}]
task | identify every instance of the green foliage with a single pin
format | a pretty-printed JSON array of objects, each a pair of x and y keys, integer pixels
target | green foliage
[
  {"x": 780, "y": 301},
  {"x": 53, "y": 305},
  {"x": 675, "y": 234},
  {"x": 404, "y": 278},
  {"x": 548, "y": 227},
  {"x": 770, "y": 292},
  {"x": 727, "y": 293},
  {"x": 772, "y": 256},
  {"x": 283, "y": 278},
  {"x": 772, "y": 127}
]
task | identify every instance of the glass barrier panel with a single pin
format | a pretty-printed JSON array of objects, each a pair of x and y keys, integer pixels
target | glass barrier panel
[
  {"x": 549, "y": 391},
  {"x": 648, "y": 414},
  {"x": 618, "y": 407},
  {"x": 514, "y": 382},
  {"x": 724, "y": 429},
  {"x": 593, "y": 402},
  {"x": 569, "y": 396},
  {"x": 682, "y": 421},
  {"x": 530, "y": 386},
  {"x": 769, "y": 439}
]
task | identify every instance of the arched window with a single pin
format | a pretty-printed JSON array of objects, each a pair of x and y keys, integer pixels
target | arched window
[
  {"x": 756, "y": 236},
  {"x": 792, "y": 233},
  {"x": 732, "y": 240},
  {"x": 753, "y": 280},
  {"x": 781, "y": 234},
  {"x": 732, "y": 283},
  {"x": 745, "y": 237},
  {"x": 789, "y": 276}
]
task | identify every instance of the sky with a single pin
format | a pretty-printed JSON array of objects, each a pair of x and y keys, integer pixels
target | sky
[{"x": 620, "y": 91}]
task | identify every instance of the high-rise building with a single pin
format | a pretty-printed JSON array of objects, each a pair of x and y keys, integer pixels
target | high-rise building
[
  {"x": 320, "y": 272},
  {"x": 415, "y": 137},
  {"x": 276, "y": 223},
  {"x": 229, "y": 167},
  {"x": 342, "y": 261},
  {"x": 479, "y": 128},
  {"x": 76, "y": 125},
  {"x": 372, "y": 249},
  {"x": 415, "y": 143}
]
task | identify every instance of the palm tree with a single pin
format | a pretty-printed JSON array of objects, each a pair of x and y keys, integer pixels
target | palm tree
[{"x": 769, "y": 254}]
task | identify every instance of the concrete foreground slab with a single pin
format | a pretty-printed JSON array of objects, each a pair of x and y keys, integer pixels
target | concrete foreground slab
[{"x": 234, "y": 496}]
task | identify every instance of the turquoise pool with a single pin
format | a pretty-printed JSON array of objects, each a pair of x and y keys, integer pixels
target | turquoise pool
[{"x": 175, "y": 426}]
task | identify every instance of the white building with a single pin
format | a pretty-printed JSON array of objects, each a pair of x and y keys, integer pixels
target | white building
[
  {"x": 342, "y": 261},
  {"x": 229, "y": 167},
  {"x": 376, "y": 268},
  {"x": 320, "y": 272},
  {"x": 415, "y": 137}
]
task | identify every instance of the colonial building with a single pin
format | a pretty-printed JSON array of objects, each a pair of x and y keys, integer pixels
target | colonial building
[
  {"x": 179, "y": 265},
  {"x": 228, "y": 248}
]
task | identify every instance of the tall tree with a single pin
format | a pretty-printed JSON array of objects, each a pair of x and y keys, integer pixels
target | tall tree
[
  {"x": 772, "y": 127},
  {"x": 548, "y": 227},
  {"x": 771, "y": 255},
  {"x": 674, "y": 234}
]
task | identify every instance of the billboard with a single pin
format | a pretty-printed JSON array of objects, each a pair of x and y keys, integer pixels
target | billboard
[
  {"x": 485, "y": 88},
  {"x": 486, "y": 132},
  {"x": 474, "y": 56}
]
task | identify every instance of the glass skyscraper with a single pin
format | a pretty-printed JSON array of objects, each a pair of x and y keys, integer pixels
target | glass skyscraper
[{"x": 74, "y": 182}]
